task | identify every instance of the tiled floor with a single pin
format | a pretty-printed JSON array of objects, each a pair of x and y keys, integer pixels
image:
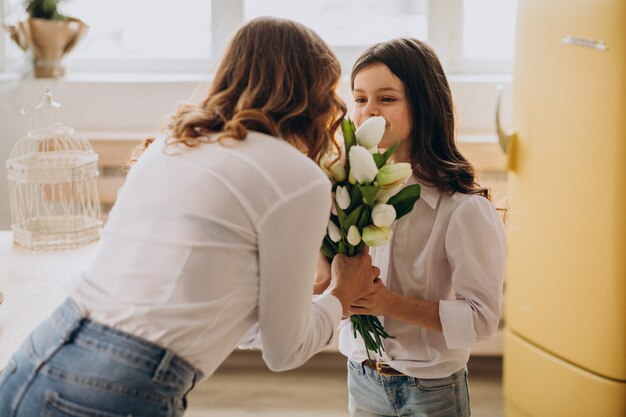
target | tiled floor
[{"x": 243, "y": 387}]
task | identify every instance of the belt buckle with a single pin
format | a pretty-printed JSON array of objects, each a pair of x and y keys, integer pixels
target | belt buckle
[{"x": 380, "y": 368}]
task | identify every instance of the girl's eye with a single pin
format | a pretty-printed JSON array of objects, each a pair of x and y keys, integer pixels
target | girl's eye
[
  {"x": 359, "y": 100},
  {"x": 388, "y": 99}
]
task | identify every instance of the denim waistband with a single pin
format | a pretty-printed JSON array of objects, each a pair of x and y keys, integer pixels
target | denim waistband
[{"x": 73, "y": 325}]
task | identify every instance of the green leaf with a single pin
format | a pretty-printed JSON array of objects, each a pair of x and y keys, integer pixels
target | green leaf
[
  {"x": 382, "y": 158},
  {"x": 404, "y": 201},
  {"x": 378, "y": 159},
  {"x": 352, "y": 219},
  {"x": 327, "y": 249},
  {"x": 349, "y": 137},
  {"x": 341, "y": 215},
  {"x": 356, "y": 197},
  {"x": 369, "y": 193},
  {"x": 411, "y": 191},
  {"x": 341, "y": 247},
  {"x": 387, "y": 154},
  {"x": 329, "y": 242},
  {"x": 365, "y": 218}
]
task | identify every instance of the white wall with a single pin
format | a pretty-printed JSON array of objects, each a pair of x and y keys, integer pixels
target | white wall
[{"x": 141, "y": 103}]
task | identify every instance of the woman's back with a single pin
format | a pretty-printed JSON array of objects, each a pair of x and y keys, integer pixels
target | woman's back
[{"x": 185, "y": 273}]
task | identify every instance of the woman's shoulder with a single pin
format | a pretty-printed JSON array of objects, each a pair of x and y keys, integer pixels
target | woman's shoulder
[{"x": 278, "y": 155}]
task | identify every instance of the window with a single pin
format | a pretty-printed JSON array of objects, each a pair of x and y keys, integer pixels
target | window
[
  {"x": 136, "y": 34},
  {"x": 488, "y": 34},
  {"x": 349, "y": 23},
  {"x": 350, "y": 26},
  {"x": 470, "y": 36}
]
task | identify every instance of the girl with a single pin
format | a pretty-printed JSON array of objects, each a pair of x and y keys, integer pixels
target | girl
[
  {"x": 442, "y": 273},
  {"x": 204, "y": 240}
]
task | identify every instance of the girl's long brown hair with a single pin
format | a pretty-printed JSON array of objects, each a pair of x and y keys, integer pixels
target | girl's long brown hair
[
  {"x": 276, "y": 77},
  {"x": 433, "y": 153}
]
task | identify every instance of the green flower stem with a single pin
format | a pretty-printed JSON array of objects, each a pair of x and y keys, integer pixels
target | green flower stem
[{"x": 372, "y": 332}]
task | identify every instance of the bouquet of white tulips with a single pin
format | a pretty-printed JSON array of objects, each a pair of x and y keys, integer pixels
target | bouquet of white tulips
[{"x": 369, "y": 195}]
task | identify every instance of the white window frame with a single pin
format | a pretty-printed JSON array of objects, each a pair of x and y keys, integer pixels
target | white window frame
[
  {"x": 445, "y": 21},
  {"x": 3, "y": 53}
]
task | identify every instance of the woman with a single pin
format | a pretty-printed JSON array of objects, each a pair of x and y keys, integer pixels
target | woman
[{"x": 215, "y": 229}]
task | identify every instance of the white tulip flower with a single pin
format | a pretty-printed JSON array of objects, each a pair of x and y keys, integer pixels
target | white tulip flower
[
  {"x": 384, "y": 195},
  {"x": 354, "y": 237},
  {"x": 371, "y": 132},
  {"x": 362, "y": 165},
  {"x": 351, "y": 178},
  {"x": 383, "y": 215},
  {"x": 333, "y": 231},
  {"x": 342, "y": 197},
  {"x": 376, "y": 236},
  {"x": 332, "y": 167},
  {"x": 394, "y": 175}
]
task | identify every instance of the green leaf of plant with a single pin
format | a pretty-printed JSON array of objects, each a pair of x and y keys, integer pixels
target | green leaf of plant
[
  {"x": 352, "y": 219},
  {"x": 356, "y": 197},
  {"x": 369, "y": 193},
  {"x": 378, "y": 159},
  {"x": 404, "y": 201},
  {"x": 341, "y": 215},
  {"x": 365, "y": 218},
  {"x": 327, "y": 249},
  {"x": 349, "y": 137},
  {"x": 341, "y": 247},
  {"x": 387, "y": 154}
]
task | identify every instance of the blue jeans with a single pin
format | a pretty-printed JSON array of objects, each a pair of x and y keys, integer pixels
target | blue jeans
[
  {"x": 371, "y": 394},
  {"x": 71, "y": 366}
]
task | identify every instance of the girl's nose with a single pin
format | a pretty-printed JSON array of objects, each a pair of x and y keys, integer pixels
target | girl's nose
[{"x": 370, "y": 109}]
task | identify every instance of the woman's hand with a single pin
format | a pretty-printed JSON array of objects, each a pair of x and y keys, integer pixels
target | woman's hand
[
  {"x": 352, "y": 277},
  {"x": 322, "y": 275},
  {"x": 377, "y": 303}
]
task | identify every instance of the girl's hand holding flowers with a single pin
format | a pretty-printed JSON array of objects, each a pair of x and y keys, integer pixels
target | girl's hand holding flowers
[{"x": 377, "y": 303}]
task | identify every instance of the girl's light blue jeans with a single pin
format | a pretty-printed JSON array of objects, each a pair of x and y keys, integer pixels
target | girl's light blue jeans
[
  {"x": 71, "y": 366},
  {"x": 371, "y": 394}
]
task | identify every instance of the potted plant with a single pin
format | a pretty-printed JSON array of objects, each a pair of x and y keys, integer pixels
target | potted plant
[{"x": 49, "y": 34}]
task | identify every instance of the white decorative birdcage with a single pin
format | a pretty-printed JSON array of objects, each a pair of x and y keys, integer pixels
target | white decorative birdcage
[{"x": 53, "y": 192}]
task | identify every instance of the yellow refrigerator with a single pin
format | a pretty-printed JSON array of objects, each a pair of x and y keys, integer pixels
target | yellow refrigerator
[{"x": 565, "y": 336}]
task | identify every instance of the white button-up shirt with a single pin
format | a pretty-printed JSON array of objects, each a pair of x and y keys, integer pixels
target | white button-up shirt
[
  {"x": 449, "y": 249},
  {"x": 203, "y": 244}
]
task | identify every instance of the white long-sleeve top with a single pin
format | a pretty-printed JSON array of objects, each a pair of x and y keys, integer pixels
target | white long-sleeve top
[
  {"x": 449, "y": 249},
  {"x": 202, "y": 244}
]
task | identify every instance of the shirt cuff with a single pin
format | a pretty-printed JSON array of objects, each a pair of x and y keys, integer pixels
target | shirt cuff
[
  {"x": 333, "y": 309},
  {"x": 457, "y": 321}
]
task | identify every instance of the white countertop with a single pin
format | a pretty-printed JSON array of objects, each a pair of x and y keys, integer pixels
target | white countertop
[{"x": 31, "y": 282}]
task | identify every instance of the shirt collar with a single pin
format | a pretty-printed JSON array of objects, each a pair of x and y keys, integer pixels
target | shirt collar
[{"x": 429, "y": 194}]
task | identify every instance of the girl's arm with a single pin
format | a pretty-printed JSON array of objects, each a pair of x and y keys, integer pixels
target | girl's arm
[
  {"x": 382, "y": 302},
  {"x": 475, "y": 248}
]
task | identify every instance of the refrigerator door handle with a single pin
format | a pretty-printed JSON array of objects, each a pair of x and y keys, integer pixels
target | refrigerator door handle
[
  {"x": 585, "y": 42},
  {"x": 506, "y": 139}
]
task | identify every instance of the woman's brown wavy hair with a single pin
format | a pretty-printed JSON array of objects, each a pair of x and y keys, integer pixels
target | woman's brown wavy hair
[
  {"x": 433, "y": 153},
  {"x": 276, "y": 77}
]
